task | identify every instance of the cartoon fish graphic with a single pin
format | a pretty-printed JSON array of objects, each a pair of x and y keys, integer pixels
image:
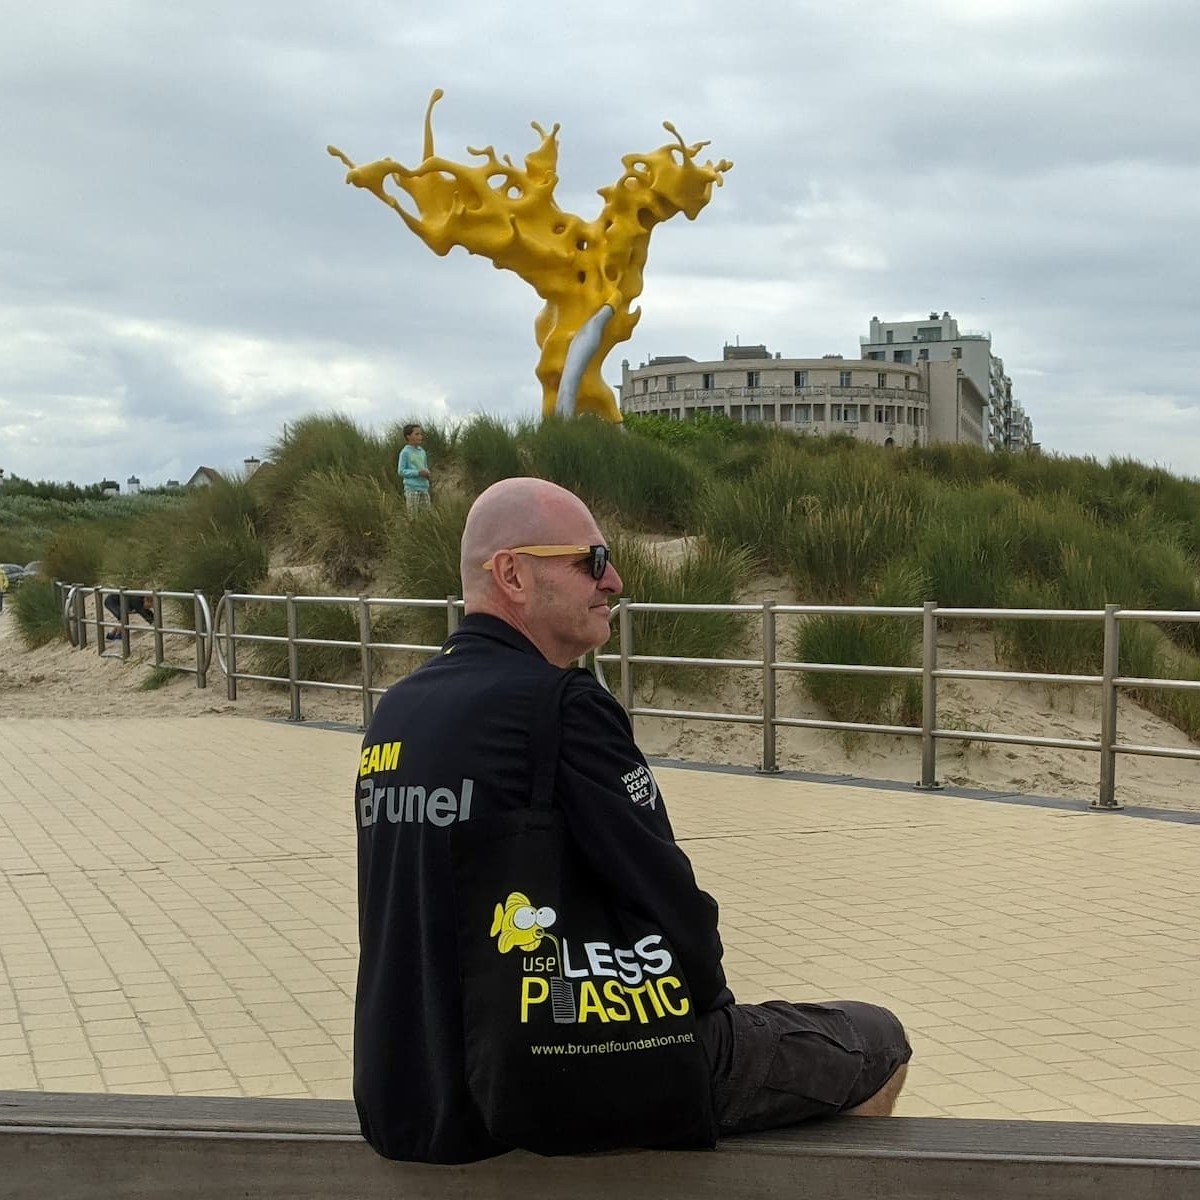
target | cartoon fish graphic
[{"x": 519, "y": 924}]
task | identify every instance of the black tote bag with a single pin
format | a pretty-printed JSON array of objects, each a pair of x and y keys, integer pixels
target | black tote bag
[{"x": 580, "y": 1027}]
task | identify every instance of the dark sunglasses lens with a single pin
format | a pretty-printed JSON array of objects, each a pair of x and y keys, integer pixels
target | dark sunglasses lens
[{"x": 599, "y": 561}]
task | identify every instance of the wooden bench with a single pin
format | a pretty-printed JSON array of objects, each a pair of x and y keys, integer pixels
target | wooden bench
[{"x": 66, "y": 1147}]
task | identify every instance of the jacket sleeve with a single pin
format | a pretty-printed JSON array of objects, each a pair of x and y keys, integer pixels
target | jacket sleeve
[
  {"x": 617, "y": 818},
  {"x": 405, "y": 465}
]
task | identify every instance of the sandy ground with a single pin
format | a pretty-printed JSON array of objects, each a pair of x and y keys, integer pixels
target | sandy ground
[{"x": 60, "y": 681}]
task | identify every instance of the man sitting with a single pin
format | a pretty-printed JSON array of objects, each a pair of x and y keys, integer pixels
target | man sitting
[{"x": 538, "y": 581}]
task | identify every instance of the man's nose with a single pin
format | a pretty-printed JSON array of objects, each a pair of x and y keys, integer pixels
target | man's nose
[{"x": 610, "y": 581}]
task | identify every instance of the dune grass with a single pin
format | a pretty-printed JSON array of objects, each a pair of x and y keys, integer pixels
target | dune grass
[
  {"x": 344, "y": 522},
  {"x": 36, "y": 613},
  {"x": 869, "y": 641},
  {"x": 489, "y": 450},
  {"x": 650, "y": 485},
  {"x": 703, "y": 574},
  {"x": 157, "y": 677}
]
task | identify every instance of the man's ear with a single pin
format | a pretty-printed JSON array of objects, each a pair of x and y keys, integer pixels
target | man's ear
[{"x": 507, "y": 576}]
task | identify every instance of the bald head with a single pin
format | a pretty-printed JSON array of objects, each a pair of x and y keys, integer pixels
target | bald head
[{"x": 518, "y": 512}]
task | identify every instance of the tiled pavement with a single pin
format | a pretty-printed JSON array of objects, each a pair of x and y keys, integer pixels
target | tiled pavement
[{"x": 177, "y": 914}]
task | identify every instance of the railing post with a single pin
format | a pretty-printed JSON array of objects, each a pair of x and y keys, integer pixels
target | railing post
[
  {"x": 451, "y": 614},
  {"x": 769, "y": 766},
  {"x": 364, "y": 638},
  {"x": 625, "y": 628},
  {"x": 1107, "y": 800},
  {"x": 157, "y": 600},
  {"x": 98, "y": 594},
  {"x": 230, "y": 648},
  {"x": 929, "y": 631},
  {"x": 80, "y": 619},
  {"x": 123, "y": 608},
  {"x": 201, "y": 673},
  {"x": 293, "y": 658}
]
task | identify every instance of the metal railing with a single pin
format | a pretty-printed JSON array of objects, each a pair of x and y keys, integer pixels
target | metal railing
[
  {"x": 1109, "y": 681},
  {"x": 227, "y": 642},
  {"x": 221, "y": 632},
  {"x": 76, "y": 622}
]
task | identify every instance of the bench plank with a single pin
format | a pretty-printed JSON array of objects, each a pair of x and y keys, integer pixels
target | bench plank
[{"x": 191, "y": 1148}]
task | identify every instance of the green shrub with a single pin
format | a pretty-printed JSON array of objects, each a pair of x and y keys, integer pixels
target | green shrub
[
  {"x": 760, "y": 512},
  {"x": 216, "y": 562},
  {"x": 488, "y": 450},
  {"x": 872, "y": 641},
  {"x": 648, "y": 484},
  {"x": 328, "y": 622},
  {"x": 18, "y": 548},
  {"x": 344, "y": 522},
  {"x": 228, "y": 504},
  {"x": 74, "y": 555},
  {"x": 36, "y": 612},
  {"x": 1071, "y": 647},
  {"x": 331, "y": 442},
  {"x": 1181, "y": 708},
  {"x": 703, "y": 574},
  {"x": 422, "y": 563},
  {"x": 158, "y": 677},
  {"x": 968, "y": 562},
  {"x": 837, "y": 549}
]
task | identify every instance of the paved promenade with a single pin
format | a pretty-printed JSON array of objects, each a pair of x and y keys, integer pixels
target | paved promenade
[{"x": 177, "y": 914}]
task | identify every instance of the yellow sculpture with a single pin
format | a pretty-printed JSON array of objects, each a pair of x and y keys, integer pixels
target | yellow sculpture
[{"x": 588, "y": 272}]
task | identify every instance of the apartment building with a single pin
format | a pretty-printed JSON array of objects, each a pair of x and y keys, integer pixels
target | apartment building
[
  {"x": 888, "y": 404},
  {"x": 939, "y": 339}
]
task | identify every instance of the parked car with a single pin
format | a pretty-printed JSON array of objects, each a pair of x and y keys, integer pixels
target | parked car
[{"x": 13, "y": 572}]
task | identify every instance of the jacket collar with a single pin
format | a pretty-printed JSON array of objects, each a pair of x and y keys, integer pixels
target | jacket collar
[{"x": 496, "y": 630}]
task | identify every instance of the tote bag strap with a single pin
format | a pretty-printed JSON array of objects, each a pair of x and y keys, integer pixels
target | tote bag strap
[{"x": 544, "y": 738}]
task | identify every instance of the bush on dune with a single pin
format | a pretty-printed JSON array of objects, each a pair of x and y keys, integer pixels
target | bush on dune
[
  {"x": 703, "y": 574},
  {"x": 649, "y": 484},
  {"x": 489, "y": 451},
  {"x": 344, "y": 522},
  {"x": 75, "y": 555},
  {"x": 36, "y": 612}
]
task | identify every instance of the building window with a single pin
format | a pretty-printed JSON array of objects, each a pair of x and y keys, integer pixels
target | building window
[
  {"x": 769, "y": 413},
  {"x": 645, "y": 386},
  {"x": 752, "y": 379},
  {"x": 735, "y": 412},
  {"x": 753, "y": 412},
  {"x": 804, "y": 413},
  {"x": 844, "y": 378},
  {"x": 923, "y": 354},
  {"x": 818, "y": 412},
  {"x": 879, "y": 413},
  {"x": 785, "y": 412},
  {"x": 881, "y": 379},
  {"x": 800, "y": 379},
  {"x": 931, "y": 333},
  {"x": 877, "y": 356},
  {"x": 889, "y": 337},
  {"x": 670, "y": 383},
  {"x": 707, "y": 381},
  {"x": 902, "y": 356},
  {"x": 956, "y": 352},
  {"x": 835, "y": 412}
]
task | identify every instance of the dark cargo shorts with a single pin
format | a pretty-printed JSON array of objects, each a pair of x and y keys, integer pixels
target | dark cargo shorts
[{"x": 777, "y": 1064}]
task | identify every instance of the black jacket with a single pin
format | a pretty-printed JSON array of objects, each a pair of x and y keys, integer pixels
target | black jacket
[{"x": 449, "y": 742}]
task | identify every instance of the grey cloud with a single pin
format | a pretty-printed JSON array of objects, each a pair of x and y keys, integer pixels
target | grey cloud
[{"x": 1029, "y": 166}]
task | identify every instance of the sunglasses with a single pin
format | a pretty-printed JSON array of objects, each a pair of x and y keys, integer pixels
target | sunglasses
[{"x": 597, "y": 557}]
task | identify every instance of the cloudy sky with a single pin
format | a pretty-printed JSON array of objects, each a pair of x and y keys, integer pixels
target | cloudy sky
[{"x": 182, "y": 268}]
